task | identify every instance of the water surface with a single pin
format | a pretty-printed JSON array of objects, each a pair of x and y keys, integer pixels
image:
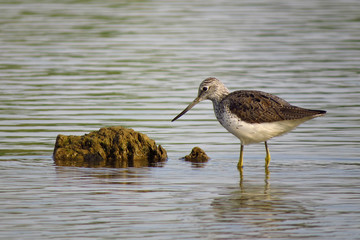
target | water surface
[{"x": 77, "y": 66}]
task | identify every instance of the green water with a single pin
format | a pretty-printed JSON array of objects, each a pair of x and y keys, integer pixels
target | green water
[{"x": 76, "y": 66}]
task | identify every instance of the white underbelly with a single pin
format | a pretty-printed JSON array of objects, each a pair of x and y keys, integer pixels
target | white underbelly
[{"x": 249, "y": 133}]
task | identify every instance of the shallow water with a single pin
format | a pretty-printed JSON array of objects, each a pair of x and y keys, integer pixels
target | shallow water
[{"x": 77, "y": 66}]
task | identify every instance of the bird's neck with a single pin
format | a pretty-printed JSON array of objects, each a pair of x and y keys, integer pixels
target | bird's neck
[{"x": 219, "y": 96}]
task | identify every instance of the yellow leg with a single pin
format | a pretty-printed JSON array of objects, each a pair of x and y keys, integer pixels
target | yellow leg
[
  {"x": 267, "y": 158},
  {"x": 240, "y": 163},
  {"x": 241, "y": 183}
]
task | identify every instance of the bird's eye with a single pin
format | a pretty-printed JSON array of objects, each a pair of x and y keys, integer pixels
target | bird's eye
[{"x": 205, "y": 89}]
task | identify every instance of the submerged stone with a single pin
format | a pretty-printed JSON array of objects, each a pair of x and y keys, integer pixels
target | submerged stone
[
  {"x": 116, "y": 147},
  {"x": 197, "y": 155}
]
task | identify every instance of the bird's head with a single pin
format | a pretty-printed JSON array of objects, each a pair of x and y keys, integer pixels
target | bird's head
[{"x": 209, "y": 89}]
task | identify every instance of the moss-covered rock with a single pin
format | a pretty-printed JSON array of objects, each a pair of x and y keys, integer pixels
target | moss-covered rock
[
  {"x": 117, "y": 147},
  {"x": 197, "y": 155}
]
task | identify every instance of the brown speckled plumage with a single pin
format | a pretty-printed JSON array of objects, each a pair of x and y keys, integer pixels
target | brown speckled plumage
[{"x": 261, "y": 107}]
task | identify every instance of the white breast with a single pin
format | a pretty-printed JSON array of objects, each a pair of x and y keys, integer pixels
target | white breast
[{"x": 249, "y": 133}]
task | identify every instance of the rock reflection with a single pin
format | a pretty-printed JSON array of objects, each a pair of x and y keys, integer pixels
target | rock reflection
[
  {"x": 260, "y": 206},
  {"x": 198, "y": 165},
  {"x": 128, "y": 176}
]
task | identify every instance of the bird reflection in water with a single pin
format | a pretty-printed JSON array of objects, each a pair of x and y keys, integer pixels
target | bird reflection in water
[
  {"x": 266, "y": 179},
  {"x": 260, "y": 206}
]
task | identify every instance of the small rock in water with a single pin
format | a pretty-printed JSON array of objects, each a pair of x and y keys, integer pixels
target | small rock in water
[
  {"x": 117, "y": 147},
  {"x": 197, "y": 155}
]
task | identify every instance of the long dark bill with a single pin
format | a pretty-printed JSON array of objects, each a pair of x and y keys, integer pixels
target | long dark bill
[{"x": 191, "y": 105}]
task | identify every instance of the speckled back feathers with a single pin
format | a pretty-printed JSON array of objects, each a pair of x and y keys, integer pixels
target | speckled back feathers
[{"x": 261, "y": 107}]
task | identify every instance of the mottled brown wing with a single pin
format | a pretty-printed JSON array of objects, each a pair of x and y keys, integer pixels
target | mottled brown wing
[{"x": 259, "y": 107}]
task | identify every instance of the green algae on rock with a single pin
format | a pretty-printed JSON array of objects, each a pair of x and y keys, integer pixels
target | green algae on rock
[
  {"x": 116, "y": 147},
  {"x": 197, "y": 155}
]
